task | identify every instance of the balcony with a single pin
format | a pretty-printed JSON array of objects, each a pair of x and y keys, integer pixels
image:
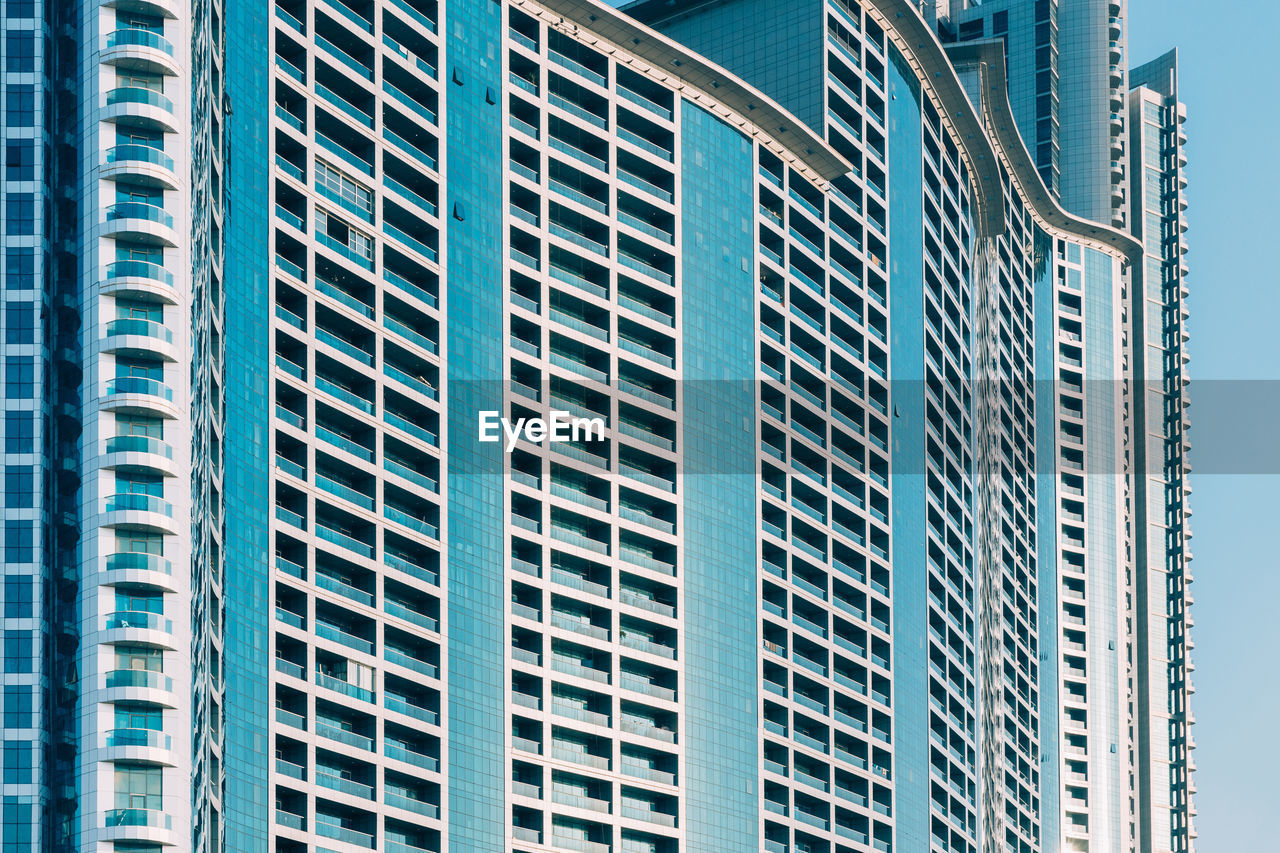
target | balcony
[
  {"x": 139, "y": 276},
  {"x": 402, "y": 6},
  {"x": 133, "y": 685},
  {"x": 140, "y": 337},
  {"x": 138, "y": 450},
  {"x": 140, "y": 161},
  {"x": 140, "y": 49},
  {"x": 139, "y": 509},
  {"x": 138, "y": 738},
  {"x": 146, "y": 106},
  {"x": 150, "y": 569},
  {"x": 140, "y": 221},
  {"x": 138, "y": 620}
]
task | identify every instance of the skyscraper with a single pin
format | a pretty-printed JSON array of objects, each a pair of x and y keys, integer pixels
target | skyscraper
[{"x": 501, "y": 426}]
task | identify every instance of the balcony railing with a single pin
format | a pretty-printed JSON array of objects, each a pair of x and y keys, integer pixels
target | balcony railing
[
  {"x": 138, "y": 817},
  {"x": 139, "y": 737},
  {"x": 139, "y": 95},
  {"x": 139, "y": 154},
  {"x": 139, "y": 269},
  {"x": 139, "y": 210},
  {"x": 139, "y": 503},
  {"x": 145, "y": 328},
  {"x": 139, "y": 562},
  {"x": 139, "y": 38},
  {"x": 139, "y": 678},
  {"x": 138, "y": 444}
]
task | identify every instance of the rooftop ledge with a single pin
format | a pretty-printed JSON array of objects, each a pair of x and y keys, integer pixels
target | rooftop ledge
[
  {"x": 699, "y": 80},
  {"x": 984, "y": 140}
]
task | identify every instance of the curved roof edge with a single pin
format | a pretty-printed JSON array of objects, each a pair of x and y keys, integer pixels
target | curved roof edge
[
  {"x": 915, "y": 40},
  {"x": 699, "y": 80},
  {"x": 989, "y": 57},
  {"x": 984, "y": 143}
]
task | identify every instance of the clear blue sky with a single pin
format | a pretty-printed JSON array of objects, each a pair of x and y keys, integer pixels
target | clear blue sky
[{"x": 1227, "y": 53}]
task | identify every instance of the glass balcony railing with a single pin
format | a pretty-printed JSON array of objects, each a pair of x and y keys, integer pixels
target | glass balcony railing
[
  {"x": 138, "y": 503},
  {"x": 138, "y": 444},
  {"x": 412, "y": 522},
  {"x": 351, "y": 14},
  {"x": 343, "y": 588},
  {"x": 410, "y": 241},
  {"x": 139, "y": 562},
  {"x": 139, "y": 678},
  {"x": 409, "y": 102},
  {"x": 344, "y": 687},
  {"x": 577, "y": 67},
  {"x": 139, "y": 154},
  {"x": 415, "y": 151},
  {"x": 643, "y": 102},
  {"x": 139, "y": 269},
  {"x": 139, "y": 619},
  {"x": 414, "y": 15},
  {"x": 139, "y": 210},
  {"x": 341, "y": 441},
  {"x": 419, "y": 432},
  {"x": 328, "y": 338},
  {"x": 410, "y": 288},
  {"x": 344, "y": 491},
  {"x": 139, "y": 385},
  {"x": 345, "y": 58},
  {"x": 412, "y": 475},
  {"x": 343, "y": 540},
  {"x": 417, "y": 383},
  {"x": 326, "y": 631},
  {"x": 346, "y": 154},
  {"x": 410, "y": 334},
  {"x": 346, "y": 395},
  {"x": 342, "y": 734},
  {"x": 409, "y": 709},
  {"x": 139, "y": 95},
  {"x": 138, "y": 817},
  {"x": 336, "y": 782},
  {"x": 139, "y": 737},
  {"x": 405, "y": 192},
  {"x": 145, "y": 328},
  {"x": 139, "y": 38},
  {"x": 644, "y": 144},
  {"x": 343, "y": 104}
]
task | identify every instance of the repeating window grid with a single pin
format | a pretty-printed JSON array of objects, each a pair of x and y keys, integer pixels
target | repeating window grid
[
  {"x": 357, "y": 603},
  {"x": 535, "y": 340},
  {"x": 780, "y": 206}
]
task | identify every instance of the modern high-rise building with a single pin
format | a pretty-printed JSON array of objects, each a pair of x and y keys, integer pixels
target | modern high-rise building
[{"x": 533, "y": 426}]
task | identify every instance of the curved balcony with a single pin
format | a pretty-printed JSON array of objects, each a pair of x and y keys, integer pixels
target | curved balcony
[
  {"x": 145, "y": 745},
  {"x": 139, "y": 685},
  {"x": 138, "y": 510},
  {"x": 139, "y": 451},
  {"x": 140, "y": 337},
  {"x": 142, "y": 106},
  {"x": 141, "y": 628},
  {"x": 140, "y": 221},
  {"x": 149, "y": 825},
  {"x": 162, "y": 8},
  {"x": 142, "y": 164},
  {"x": 140, "y": 50},
  {"x": 141, "y": 278},
  {"x": 138, "y": 569},
  {"x": 141, "y": 395}
]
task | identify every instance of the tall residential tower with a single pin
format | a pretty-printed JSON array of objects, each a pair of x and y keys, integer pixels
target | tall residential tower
[{"x": 842, "y": 547}]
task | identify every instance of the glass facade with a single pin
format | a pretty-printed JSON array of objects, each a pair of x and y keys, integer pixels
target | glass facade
[
  {"x": 721, "y": 584},
  {"x": 841, "y": 560}
]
